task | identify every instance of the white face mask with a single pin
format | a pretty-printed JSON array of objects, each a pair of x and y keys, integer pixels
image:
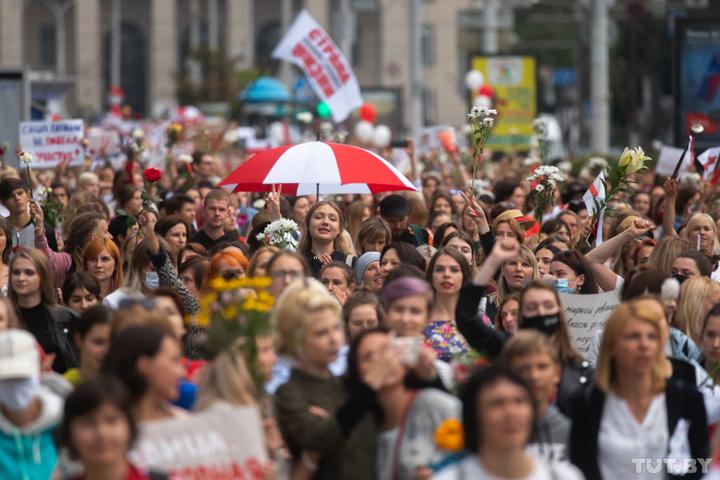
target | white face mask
[{"x": 17, "y": 394}]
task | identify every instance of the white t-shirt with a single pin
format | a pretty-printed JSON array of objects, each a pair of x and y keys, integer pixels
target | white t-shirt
[
  {"x": 622, "y": 438},
  {"x": 470, "y": 468}
]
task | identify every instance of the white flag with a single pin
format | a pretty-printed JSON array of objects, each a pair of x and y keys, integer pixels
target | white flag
[
  {"x": 309, "y": 47},
  {"x": 709, "y": 160}
]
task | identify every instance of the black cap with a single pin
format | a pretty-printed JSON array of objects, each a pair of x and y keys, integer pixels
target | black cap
[{"x": 394, "y": 206}]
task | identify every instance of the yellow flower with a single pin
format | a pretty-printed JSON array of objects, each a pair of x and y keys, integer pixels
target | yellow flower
[
  {"x": 449, "y": 435},
  {"x": 230, "y": 312},
  {"x": 262, "y": 282}
]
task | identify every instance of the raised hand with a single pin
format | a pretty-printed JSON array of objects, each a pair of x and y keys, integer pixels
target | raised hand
[{"x": 272, "y": 202}]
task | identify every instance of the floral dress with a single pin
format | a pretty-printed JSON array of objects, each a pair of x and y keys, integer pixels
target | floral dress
[{"x": 444, "y": 338}]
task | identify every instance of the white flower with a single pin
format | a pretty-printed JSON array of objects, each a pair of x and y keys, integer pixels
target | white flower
[
  {"x": 231, "y": 136},
  {"x": 26, "y": 158},
  {"x": 540, "y": 128},
  {"x": 488, "y": 122},
  {"x": 138, "y": 134},
  {"x": 539, "y": 187},
  {"x": 185, "y": 158},
  {"x": 280, "y": 233},
  {"x": 304, "y": 117}
]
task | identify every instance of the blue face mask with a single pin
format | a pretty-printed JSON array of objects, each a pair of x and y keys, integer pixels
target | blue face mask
[
  {"x": 561, "y": 285},
  {"x": 152, "y": 280}
]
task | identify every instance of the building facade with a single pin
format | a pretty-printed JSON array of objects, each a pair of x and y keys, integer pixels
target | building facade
[{"x": 68, "y": 44}]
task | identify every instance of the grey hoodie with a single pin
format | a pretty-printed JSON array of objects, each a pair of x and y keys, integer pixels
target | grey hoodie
[{"x": 551, "y": 436}]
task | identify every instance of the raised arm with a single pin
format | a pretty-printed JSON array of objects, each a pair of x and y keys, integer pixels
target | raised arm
[
  {"x": 605, "y": 277},
  {"x": 670, "y": 188}
]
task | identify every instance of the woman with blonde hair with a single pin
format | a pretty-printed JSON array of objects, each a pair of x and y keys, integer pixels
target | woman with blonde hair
[
  {"x": 310, "y": 330},
  {"x": 665, "y": 253},
  {"x": 632, "y": 407},
  {"x": 514, "y": 274},
  {"x": 323, "y": 241},
  {"x": 697, "y": 296}
]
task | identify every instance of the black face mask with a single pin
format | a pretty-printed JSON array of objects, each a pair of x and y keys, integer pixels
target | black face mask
[
  {"x": 680, "y": 278},
  {"x": 547, "y": 324}
]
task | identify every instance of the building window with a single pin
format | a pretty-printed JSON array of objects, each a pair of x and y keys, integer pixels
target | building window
[
  {"x": 47, "y": 45},
  {"x": 429, "y": 107},
  {"x": 428, "y": 43}
]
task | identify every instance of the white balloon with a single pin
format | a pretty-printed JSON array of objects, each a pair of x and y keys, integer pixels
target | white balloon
[
  {"x": 364, "y": 131},
  {"x": 483, "y": 101},
  {"x": 474, "y": 80},
  {"x": 382, "y": 136}
]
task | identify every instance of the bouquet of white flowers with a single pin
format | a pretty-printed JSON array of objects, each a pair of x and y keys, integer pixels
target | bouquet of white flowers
[
  {"x": 481, "y": 123},
  {"x": 281, "y": 234},
  {"x": 543, "y": 185}
]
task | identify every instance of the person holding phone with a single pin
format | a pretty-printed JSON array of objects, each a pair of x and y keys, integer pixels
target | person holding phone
[{"x": 406, "y": 446}]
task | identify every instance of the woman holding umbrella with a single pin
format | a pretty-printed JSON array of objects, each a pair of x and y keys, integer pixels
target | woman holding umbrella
[{"x": 325, "y": 238}]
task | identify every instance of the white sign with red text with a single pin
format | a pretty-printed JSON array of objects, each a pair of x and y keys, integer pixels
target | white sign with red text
[
  {"x": 224, "y": 441},
  {"x": 309, "y": 47},
  {"x": 52, "y": 143}
]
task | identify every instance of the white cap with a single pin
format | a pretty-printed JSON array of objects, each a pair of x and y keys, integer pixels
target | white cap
[{"x": 19, "y": 355}]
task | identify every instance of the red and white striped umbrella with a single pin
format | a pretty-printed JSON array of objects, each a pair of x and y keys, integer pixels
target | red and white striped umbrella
[{"x": 312, "y": 167}]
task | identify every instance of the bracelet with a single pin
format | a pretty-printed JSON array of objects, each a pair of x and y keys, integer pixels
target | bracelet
[{"x": 309, "y": 464}]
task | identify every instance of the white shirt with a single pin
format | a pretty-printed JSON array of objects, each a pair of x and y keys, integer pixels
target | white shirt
[
  {"x": 622, "y": 438},
  {"x": 470, "y": 468}
]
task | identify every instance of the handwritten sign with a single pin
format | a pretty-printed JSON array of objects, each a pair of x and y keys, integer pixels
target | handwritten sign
[
  {"x": 224, "y": 441},
  {"x": 586, "y": 314},
  {"x": 53, "y": 142}
]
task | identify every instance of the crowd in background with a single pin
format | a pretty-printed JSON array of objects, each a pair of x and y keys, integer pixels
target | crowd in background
[{"x": 386, "y": 298}]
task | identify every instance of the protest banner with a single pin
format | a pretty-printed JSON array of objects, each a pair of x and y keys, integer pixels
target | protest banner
[
  {"x": 668, "y": 159},
  {"x": 53, "y": 142},
  {"x": 224, "y": 441},
  {"x": 429, "y": 138},
  {"x": 309, "y": 47},
  {"x": 586, "y": 314}
]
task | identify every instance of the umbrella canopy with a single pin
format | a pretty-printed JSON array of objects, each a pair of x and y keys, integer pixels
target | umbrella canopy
[
  {"x": 317, "y": 167},
  {"x": 266, "y": 89}
]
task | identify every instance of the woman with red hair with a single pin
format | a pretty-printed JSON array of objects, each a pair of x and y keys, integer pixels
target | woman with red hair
[
  {"x": 103, "y": 261},
  {"x": 228, "y": 263}
]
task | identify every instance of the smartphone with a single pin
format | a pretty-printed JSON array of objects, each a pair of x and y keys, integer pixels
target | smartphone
[
  {"x": 410, "y": 348},
  {"x": 400, "y": 143}
]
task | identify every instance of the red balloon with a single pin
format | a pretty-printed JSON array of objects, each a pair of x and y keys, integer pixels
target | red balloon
[
  {"x": 368, "y": 112},
  {"x": 486, "y": 90}
]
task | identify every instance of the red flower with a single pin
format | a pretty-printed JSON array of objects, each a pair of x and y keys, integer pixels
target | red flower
[{"x": 152, "y": 174}]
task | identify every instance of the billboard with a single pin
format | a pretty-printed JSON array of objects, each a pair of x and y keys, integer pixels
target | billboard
[
  {"x": 514, "y": 83},
  {"x": 697, "y": 80}
]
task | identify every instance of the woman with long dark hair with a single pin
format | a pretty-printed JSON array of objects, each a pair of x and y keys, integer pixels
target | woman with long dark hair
[{"x": 31, "y": 290}]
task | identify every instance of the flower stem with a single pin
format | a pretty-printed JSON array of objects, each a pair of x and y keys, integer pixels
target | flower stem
[{"x": 476, "y": 159}]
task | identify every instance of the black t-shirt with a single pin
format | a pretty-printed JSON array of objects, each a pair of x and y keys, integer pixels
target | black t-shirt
[
  {"x": 202, "y": 238},
  {"x": 316, "y": 265},
  {"x": 38, "y": 321}
]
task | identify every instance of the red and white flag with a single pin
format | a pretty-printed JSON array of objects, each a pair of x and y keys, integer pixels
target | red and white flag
[
  {"x": 709, "y": 161},
  {"x": 596, "y": 193},
  {"x": 309, "y": 47}
]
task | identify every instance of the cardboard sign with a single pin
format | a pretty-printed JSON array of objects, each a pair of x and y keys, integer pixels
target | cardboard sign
[
  {"x": 53, "y": 142},
  {"x": 224, "y": 441},
  {"x": 586, "y": 314}
]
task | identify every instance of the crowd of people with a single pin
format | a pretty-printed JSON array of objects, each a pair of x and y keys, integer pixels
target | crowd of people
[{"x": 413, "y": 335}]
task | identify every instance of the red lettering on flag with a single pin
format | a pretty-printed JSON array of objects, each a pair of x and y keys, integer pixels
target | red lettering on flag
[{"x": 313, "y": 68}]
